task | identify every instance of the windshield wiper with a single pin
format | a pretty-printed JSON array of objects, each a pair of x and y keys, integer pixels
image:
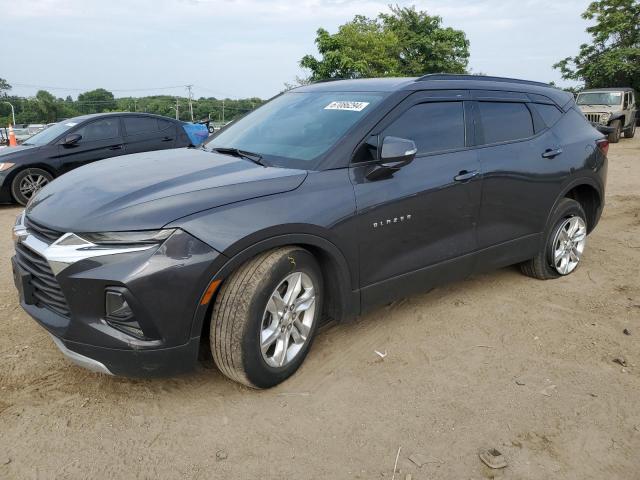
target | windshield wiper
[{"x": 254, "y": 157}]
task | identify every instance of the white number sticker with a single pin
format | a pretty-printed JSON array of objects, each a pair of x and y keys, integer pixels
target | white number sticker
[{"x": 346, "y": 105}]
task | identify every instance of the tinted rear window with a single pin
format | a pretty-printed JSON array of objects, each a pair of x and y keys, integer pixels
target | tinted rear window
[
  {"x": 432, "y": 126},
  {"x": 502, "y": 122}
]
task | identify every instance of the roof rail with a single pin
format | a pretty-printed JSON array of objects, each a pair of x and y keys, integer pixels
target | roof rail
[{"x": 481, "y": 78}]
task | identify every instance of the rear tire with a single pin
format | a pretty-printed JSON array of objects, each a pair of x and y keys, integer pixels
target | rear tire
[
  {"x": 28, "y": 182},
  {"x": 542, "y": 266},
  {"x": 250, "y": 344},
  {"x": 614, "y": 137},
  {"x": 631, "y": 131}
]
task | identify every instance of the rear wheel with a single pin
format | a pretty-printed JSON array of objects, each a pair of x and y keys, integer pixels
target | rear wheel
[
  {"x": 265, "y": 317},
  {"x": 631, "y": 131},
  {"x": 614, "y": 137},
  {"x": 28, "y": 182},
  {"x": 565, "y": 240}
]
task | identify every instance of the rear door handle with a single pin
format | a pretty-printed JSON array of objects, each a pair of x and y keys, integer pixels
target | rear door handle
[
  {"x": 116, "y": 147},
  {"x": 465, "y": 176},
  {"x": 551, "y": 152},
  {"x": 167, "y": 139}
]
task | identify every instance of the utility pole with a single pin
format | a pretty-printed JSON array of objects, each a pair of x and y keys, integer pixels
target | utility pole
[
  {"x": 177, "y": 109},
  {"x": 13, "y": 112},
  {"x": 189, "y": 87},
  {"x": 223, "y": 111}
]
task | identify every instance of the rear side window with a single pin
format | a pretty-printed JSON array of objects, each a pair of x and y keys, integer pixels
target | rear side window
[
  {"x": 162, "y": 124},
  {"x": 135, "y": 125},
  {"x": 100, "y": 130},
  {"x": 502, "y": 122},
  {"x": 549, "y": 113},
  {"x": 432, "y": 126}
]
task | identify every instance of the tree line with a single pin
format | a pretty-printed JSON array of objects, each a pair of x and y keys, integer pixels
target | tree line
[{"x": 44, "y": 107}]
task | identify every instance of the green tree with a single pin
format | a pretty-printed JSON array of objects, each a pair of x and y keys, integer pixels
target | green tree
[
  {"x": 46, "y": 106},
  {"x": 4, "y": 87},
  {"x": 613, "y": 57},
  {"x": 97, "y": 101},
  {"x": 404, "y": 42}
]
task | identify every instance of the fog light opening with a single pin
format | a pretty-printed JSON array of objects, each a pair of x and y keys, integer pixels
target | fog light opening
[{"x": 119, "y": 314}]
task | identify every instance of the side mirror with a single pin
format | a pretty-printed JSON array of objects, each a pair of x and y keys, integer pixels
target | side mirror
[
  {"x": 71, "y": 139},
  {"x": 396, "y": 153}
]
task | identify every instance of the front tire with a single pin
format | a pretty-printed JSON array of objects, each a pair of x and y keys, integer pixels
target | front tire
[
  {"x": 631, "y": 131},
  {"x": 28, "y": 182},
  {"x": 614, "y": 137},
  {"x": 564, "y": 243},
  {"x": 265, "y": 317}
]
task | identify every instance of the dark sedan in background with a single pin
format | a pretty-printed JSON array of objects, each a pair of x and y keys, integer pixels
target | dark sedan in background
[{"x": 71, "y": 143}]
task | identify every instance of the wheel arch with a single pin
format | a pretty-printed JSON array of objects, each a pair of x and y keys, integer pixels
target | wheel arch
[
  {"x": 341, "y": 301},
  {"x": 589, "y": 194},
  {"x": 42, "y": 166}
]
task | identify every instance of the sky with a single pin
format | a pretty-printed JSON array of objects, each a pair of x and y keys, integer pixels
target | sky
[{"x": 248, "y": 48}]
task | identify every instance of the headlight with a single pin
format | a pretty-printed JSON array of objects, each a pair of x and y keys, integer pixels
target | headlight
[
  {"x": 5, "y": 166},
  {"x": 145, "y": 237},
  {"x": 605, "y": 117}
]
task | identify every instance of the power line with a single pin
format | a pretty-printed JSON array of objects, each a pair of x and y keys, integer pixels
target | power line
[{"x": 49, "y": 87}]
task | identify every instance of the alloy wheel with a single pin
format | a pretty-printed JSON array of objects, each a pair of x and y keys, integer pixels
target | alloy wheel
[
  {"x": 568, "y": 245},
  {"x": 31, "y": 183},
  {"x": 287, "y": 320}
]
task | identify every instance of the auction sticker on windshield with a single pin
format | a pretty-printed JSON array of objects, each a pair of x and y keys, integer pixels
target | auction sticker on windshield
[{"x": 347, "y": 105}]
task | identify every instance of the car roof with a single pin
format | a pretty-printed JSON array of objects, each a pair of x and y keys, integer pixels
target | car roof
[
  {"x": 91, "y": 116},
  {"x": 441, "y": 82}
]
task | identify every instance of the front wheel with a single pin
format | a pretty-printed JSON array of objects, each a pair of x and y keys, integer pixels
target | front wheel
[
  {"x": 614, "y": 137},
  {"x": 565, "y": 240},
  {"x": 265, "y": 317},
  {"x": 631, "y": 131},
  {"x": 27, "y": 183}
]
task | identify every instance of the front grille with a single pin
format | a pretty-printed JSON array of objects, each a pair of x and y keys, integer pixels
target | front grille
[
  {"x": 593, "y": 117},
  {"x": 46, "y": 290},
  {"x": 43, "y": 233}
]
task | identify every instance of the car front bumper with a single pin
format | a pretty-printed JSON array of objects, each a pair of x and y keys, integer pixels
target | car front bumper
[{"x": 163, "y": 285}]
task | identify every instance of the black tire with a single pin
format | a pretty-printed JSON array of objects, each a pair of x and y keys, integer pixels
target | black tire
[
  {"x": 31, "y": 175},
  {"x": 237, "y": 317},
  {"x": 614, "y": 137},
  {"x": 631, "y": 131},
  {"x": 541, "y": 266}
]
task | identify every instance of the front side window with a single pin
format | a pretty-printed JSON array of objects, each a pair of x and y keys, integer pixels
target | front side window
[
  {"x": 503, "y": 122},
  {"x": 100, "y": 130},
  {"x": 434, "y": 127},
  {"x": 599, "y": 98},
  {"x": 294, "y": 129}
]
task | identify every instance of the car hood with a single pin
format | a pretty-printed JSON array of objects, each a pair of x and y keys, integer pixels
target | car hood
[
  {"x": 16, "y": 152},
  {"x": 148, "y": 190}
]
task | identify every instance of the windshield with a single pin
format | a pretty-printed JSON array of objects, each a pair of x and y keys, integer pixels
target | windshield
[
  {"x": 295, "y": 128},
  {"x": 599, "y": 98},
  {"x": 48, "y": 134}
]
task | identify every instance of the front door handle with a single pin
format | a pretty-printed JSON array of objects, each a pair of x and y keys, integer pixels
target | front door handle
[
  {"x": 116, "y": 147},
  {"x": 465, "y": 176},
  {"x": 167, "y": 139},
  {"x": 551, "y": 152}
]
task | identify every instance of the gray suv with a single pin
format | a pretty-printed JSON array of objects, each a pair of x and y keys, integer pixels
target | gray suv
[
  {"x": 325, "y": 202},
  {"x": 612, "y": 110}
]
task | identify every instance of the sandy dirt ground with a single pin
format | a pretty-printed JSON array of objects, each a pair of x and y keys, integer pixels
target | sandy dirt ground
[{"x": 499, "y": 360}]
